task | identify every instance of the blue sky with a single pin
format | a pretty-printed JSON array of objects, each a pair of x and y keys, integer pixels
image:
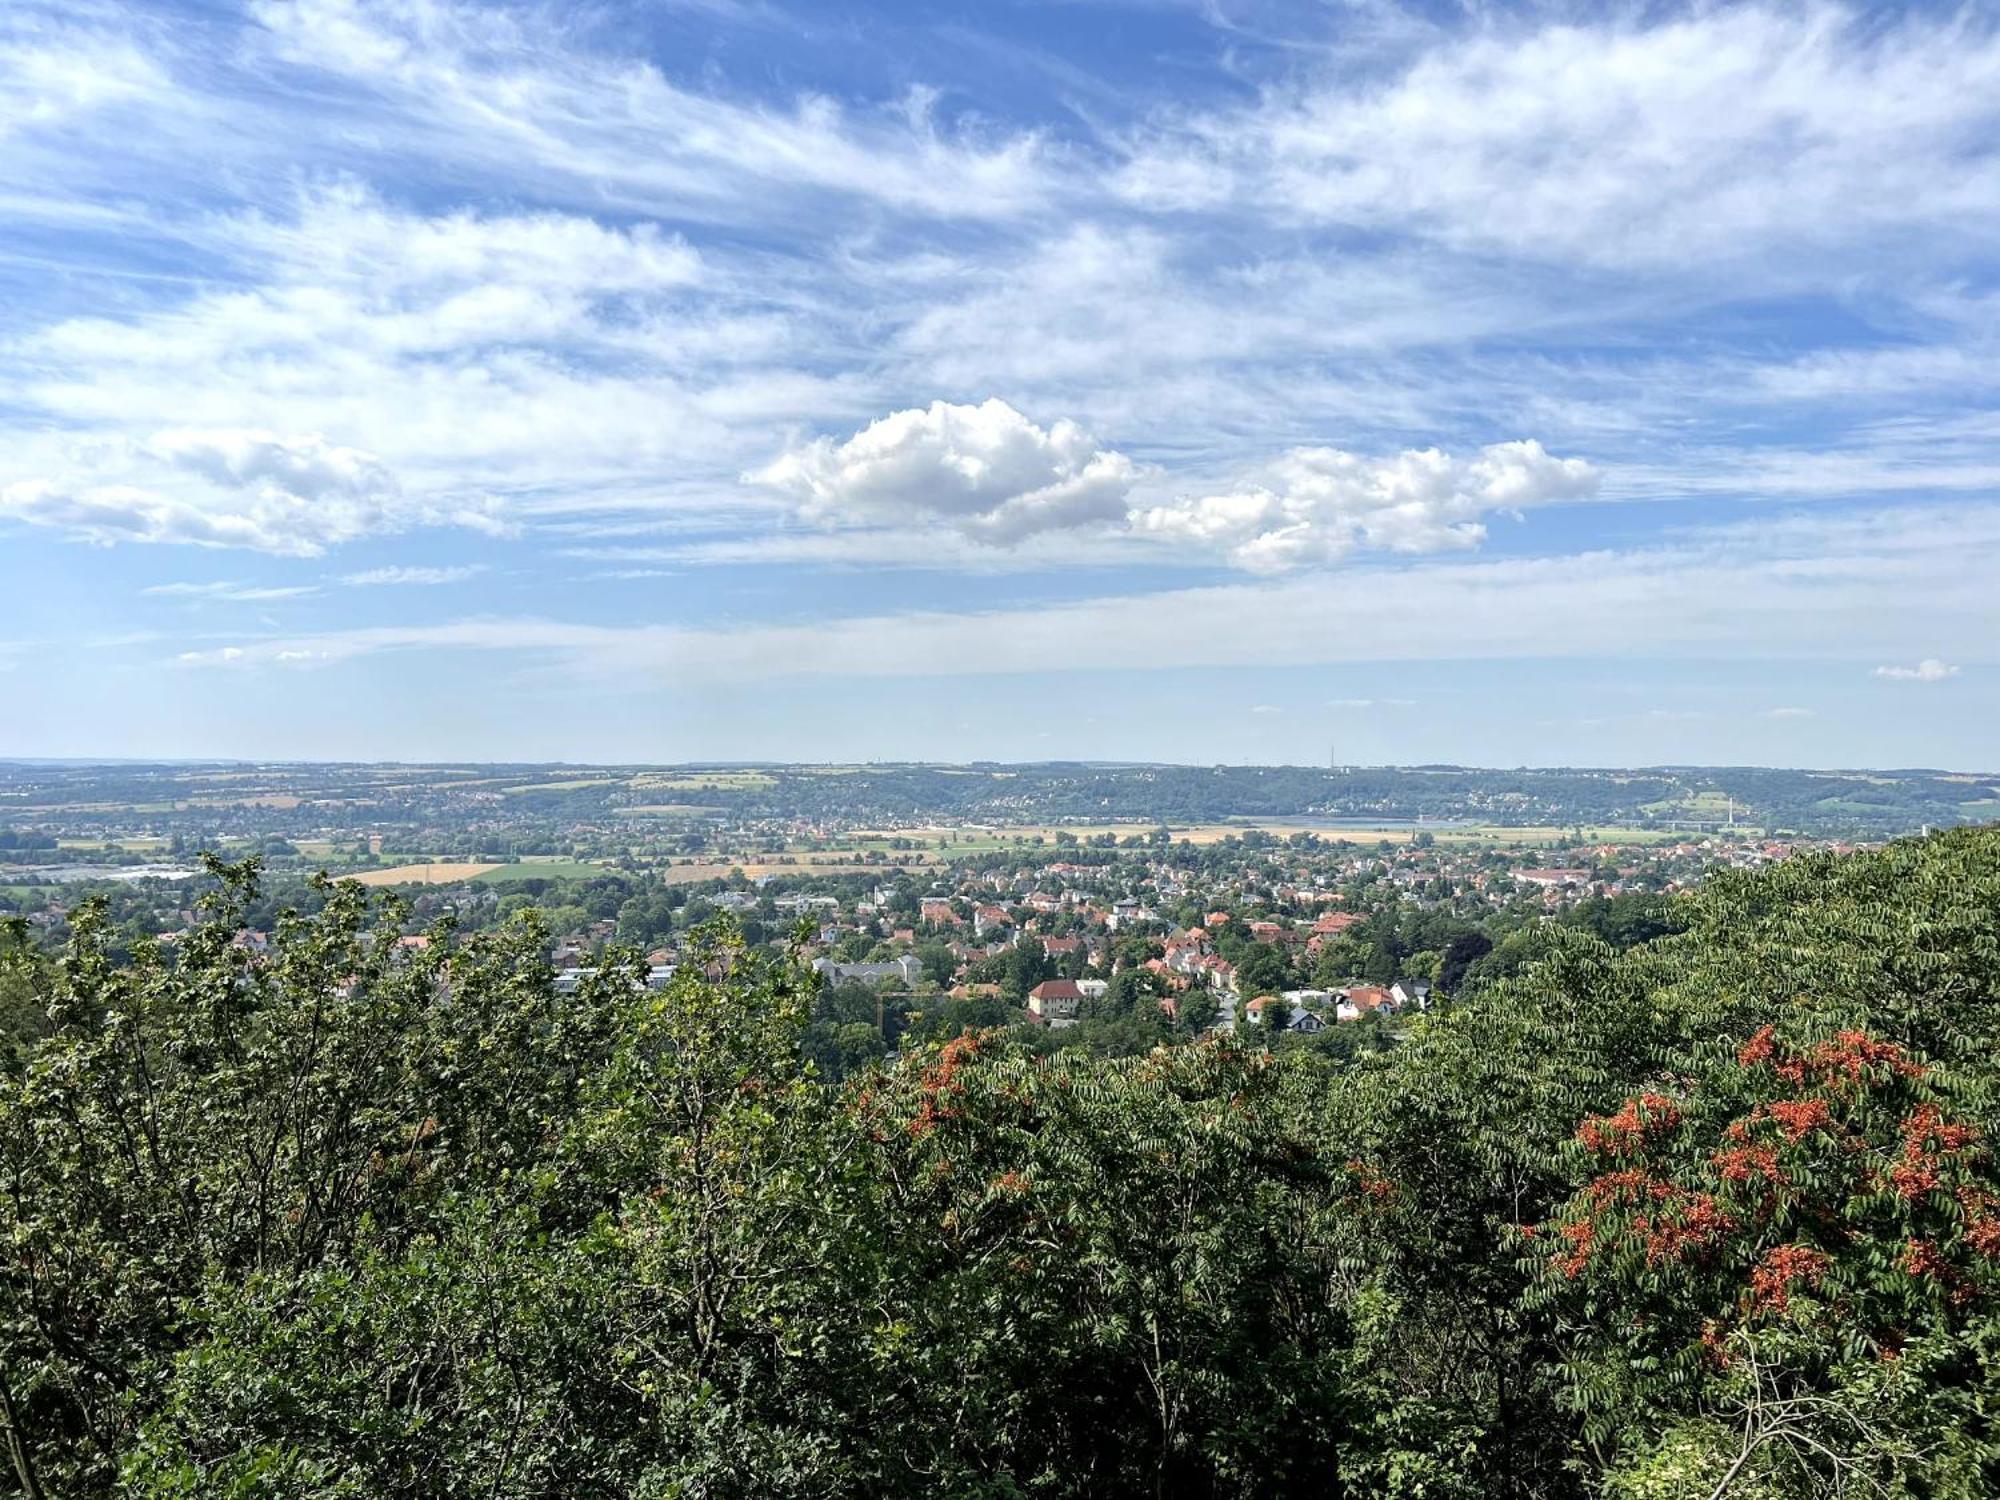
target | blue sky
[{"x": 1025, "y": 379}]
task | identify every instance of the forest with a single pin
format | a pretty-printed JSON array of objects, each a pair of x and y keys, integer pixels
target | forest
[{"x": 349, "y": 1214}]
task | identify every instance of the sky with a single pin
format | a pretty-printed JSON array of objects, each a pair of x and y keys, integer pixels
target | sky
[{"x": 1183, "y": 380}]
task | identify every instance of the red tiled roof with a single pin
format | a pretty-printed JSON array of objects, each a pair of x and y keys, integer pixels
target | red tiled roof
[{"x": 1056, "y": 989}]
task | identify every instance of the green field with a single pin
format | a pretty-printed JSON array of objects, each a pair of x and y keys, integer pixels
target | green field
[{"x": 541, "y": 869}]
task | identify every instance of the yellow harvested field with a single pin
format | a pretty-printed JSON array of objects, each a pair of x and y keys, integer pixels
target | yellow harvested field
[{"x": 444, "y": 874}]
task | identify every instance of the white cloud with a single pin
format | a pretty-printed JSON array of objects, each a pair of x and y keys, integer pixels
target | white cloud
[
  {"x": 50, "y": 74},
  {"x": 1315, "y": 505},
  {"x": 346, "y": 234},
  {"x": 1828, "y": 594},
  {"x": 412, "y": 576},
  {"x": 234, "y": 593},
  {"x": 294, "y": 471},
  {"x": 1791, "y": 713},
  {"x": 985, "y": 469},
  {"x": 479, "y": 244},
  {"x": 110, "y": 513},
  {"x": 1930, "y": 669},
  {"x": 1265, "y": 708},
  {"x": 1634, "y": 139},
  {"x": 515, "y": 89},
  {"x": 290, "y": 494}
]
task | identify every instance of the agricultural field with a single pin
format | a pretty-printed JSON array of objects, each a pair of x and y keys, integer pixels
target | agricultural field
[
  {"x": 539, "y": 869},
  {"x": 423, "y": 874}
]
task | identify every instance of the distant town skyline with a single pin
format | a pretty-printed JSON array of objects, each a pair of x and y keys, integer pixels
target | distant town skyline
[{"x": 1136, "y": 380}]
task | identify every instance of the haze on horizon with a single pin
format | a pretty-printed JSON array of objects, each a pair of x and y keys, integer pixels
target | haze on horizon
[{"x": 1239, "y": 381}]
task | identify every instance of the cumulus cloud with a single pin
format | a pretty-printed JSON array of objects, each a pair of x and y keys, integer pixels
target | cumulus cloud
[
  {"x": 1315, "y": 505},
  {"x": 984, "y": 469},
  {"x": 1930, "y": 669},
  {"x": 294, "y": 495}
]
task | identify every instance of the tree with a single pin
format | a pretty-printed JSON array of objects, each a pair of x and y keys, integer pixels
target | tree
[{"x": 1712, "y": 1214}]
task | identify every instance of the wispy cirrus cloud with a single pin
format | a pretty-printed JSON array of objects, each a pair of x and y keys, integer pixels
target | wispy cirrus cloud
[
  {"x": 1694, "y": 599},
  {"x": 230, "y": 592},
  {"x": 598, "y": 116},
  {"x": 398, "y": 576},
  {"x": 1620, "y": 140}
]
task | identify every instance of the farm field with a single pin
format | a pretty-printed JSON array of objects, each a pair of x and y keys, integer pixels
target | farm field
[
  {"x": 424, "y": 874},
  {"x": 539, "y": 869}
]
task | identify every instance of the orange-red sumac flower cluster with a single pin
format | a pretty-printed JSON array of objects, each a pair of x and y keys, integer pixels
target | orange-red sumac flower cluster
[
  {"x": 1692, "y": 1226},
  {"x": 1759, "y": 1048},
  {"x": 1799, "y": 1118},
  {"x": 1631, "y": 1186},
  {"x": 1927, "y": 1126},
  {"x": 940, "y": 1084},
  {"x": 1582, "y": 1238},
  {"x": 1636, "y": 1120},
  {"x": 1847, "y": 1056},
  {"x": 1013, "y": 1184},
  {"x": 1915, "y": 1175},
  {"x": 1773, "y": 1278},
  {"x": 1982, "y": 1225},
  {"x": 1745, "y": 1163},
  {"x": 1374, "y": 1186},
  {"x": 1927, "y": 1139},
  {"x": 1923, "y": 1258}
]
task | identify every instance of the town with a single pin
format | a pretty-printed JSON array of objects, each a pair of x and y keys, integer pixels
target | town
[{"x": 1330, "y": 926}]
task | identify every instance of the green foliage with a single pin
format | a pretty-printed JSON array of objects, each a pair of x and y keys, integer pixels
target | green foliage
[{"x": 1684, "y": 1203}]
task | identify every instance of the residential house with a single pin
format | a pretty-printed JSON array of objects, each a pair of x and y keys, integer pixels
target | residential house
[{"x": 1054, "y": 1003}]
